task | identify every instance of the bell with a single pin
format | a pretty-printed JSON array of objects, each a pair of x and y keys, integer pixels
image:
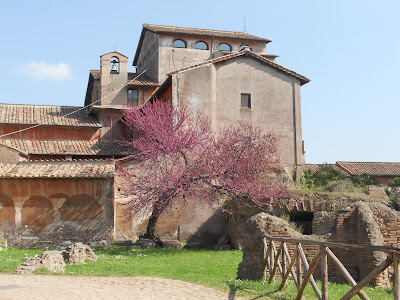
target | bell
[{"x": 114, "y": 68}]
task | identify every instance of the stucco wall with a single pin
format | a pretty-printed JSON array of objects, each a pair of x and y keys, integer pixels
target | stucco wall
[
  {"x": 49, "y": 212},
  {"x": 9, "y": 155},
  {"x": 110, "y": 83},
  {"x": 275, "y": 99},
  {"x": 149, "y": 56},
  {"x": 172, "y": 59}
]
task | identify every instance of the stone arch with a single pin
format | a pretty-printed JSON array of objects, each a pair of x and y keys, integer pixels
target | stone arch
[
  {"x": 7, "y": 211},
  {"x": 37, "y": 213},
  {"x": 81, "y": 207}
]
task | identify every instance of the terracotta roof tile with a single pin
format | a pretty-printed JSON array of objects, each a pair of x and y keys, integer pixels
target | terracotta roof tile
[
  {"x": 95, "y": 74},
  {"x": 371, "y": 168},
  {"x": 141, "y": 80},
  {"x": 58, "y": 169},
  {"x": 63, "y": 147},
  {"x": 46, "y": 114},
  {"x": 314, "y": 167},
  {"x": 203, "y": 32}
]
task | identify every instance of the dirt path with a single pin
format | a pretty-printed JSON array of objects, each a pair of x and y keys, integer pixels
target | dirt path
[{"x": 50, "y": 287}]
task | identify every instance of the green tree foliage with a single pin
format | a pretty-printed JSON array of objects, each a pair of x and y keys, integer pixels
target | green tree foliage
[
  {"x": 364, "y": 180},
  {"x": 394, "y": 182},
  {"x": 322, "y": 177}
]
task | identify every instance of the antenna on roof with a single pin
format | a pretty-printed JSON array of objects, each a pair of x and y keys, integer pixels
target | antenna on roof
[{"x": 244, "y": 24}]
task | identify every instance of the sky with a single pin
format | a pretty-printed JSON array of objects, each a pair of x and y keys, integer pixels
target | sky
[{"x": 350, "y": 50}]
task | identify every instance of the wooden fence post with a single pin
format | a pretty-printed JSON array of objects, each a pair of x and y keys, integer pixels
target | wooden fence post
[
  {"x": 298, "y": 266},
  {"x": 396, "y": 277},
  {"x": 283, "y": 244},
  {"x": 324, "y": 273}
]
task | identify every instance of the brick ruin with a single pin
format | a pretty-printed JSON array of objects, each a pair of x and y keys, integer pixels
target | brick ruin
[{"x": 367, "y": 222}]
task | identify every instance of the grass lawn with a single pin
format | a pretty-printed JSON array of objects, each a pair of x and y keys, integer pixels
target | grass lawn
[{"x": 211, "y": 268}]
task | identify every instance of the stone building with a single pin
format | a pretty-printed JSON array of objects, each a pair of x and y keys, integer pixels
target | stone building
[{"x": 56, "y": 173}]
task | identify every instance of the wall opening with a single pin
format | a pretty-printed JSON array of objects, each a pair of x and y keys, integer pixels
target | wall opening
[{"x": 303, "y": 221}]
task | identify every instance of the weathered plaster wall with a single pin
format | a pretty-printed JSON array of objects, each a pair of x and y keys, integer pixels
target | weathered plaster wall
[
  {"x": 149, "y": 56},
  {"x": 110, "y": 83},
  {"x": 48, "y": 212},
  {"x": 275, "y": 100},
  {"x": 10, "y": 155},
  {"x": 172, "y": 59}
]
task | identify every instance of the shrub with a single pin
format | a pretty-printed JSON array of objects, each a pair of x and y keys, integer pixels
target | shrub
[
  {"x": 364, "y": 180},
  {"x": 394, "y": 182},
  {"x": 322, "y": 177}
]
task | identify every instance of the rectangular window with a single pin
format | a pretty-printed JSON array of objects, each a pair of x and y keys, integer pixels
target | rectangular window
[
  {"x": 133, "y": 96},
  {"x": 245, "y": 101}
]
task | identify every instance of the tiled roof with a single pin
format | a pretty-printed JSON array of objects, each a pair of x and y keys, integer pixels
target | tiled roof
[
  {"x": 371, "y": 168},
  {"x": 141, "y": 80},
  {"x": 63, "y": 147},
  {"x": 95, "y": 74},
  {"x": 315, "y": 167},
  {"x": 58, "y": 169},
  {"x": 303, "y": 79},
  {"x": 204, "y": 32},
  {"x": 46, "y": 114}
]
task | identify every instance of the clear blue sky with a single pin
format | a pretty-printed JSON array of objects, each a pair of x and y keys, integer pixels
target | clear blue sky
[{"x": 349, "y": 49}]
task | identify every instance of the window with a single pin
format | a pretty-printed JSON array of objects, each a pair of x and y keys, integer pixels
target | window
[
  {"x": 243, "y": 46},
  {"x": 201, "y": 46},
  {"x": 179, "y": 44},
  {"x": 245, "y": 101},
  {"x": 224, "y": 47},
  {"x": 133, "y": 96}
]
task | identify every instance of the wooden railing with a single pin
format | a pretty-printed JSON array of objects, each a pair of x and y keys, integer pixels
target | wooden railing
[{"x": 279, "y": 260}]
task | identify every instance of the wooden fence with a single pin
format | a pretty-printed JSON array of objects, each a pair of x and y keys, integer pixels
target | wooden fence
[{"x": 279, "y": 260}]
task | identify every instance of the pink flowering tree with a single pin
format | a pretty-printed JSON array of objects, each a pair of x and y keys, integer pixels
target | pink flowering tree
[{"x": 179, "y": 158}]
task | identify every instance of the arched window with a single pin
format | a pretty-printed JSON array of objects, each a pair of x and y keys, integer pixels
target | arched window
[
  {"x": 243, "y": 46},
  {"x": 201, "y": 46},
  {"x": 114, "y": 65},
  {"x": 224, "y": 47},
  {"x": 179, "y": 44}
]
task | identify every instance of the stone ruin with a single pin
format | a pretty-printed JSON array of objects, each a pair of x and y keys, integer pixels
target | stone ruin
[
  {"x": 334, "y": 218},
  {"x": 56, "y": 261},
  {"x": 76, "y": 254}
]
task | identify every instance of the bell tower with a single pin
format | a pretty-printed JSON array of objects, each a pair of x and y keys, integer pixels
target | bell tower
[{"x": 113, "y": 75}]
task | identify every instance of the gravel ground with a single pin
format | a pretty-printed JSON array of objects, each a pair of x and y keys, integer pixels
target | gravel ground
[{"x": 61, "y": 287}]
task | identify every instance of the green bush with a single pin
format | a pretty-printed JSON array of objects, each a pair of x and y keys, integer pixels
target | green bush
[
  {"x": 394, "y": 182},
  {"x": 364, "y": 180},
  {"x": 322, "y": 177}
]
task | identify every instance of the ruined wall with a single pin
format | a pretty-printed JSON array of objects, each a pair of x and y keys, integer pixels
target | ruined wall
[
  {"x": 51, "y": 212},
  {"x": 361, "y": 222}
]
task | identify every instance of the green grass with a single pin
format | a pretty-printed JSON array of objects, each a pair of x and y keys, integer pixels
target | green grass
[{"x": 211, "y": 268}]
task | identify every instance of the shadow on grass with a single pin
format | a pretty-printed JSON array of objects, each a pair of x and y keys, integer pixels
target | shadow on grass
[{"x": 235, "y": 287}]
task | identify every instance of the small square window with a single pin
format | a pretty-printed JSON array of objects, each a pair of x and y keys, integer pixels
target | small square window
[
  {"x": 133, "y": 96},
  {"x": 245, "y": 101}
]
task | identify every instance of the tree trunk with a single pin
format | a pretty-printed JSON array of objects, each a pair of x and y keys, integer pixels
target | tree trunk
[{"x": 151, "y": 226}]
